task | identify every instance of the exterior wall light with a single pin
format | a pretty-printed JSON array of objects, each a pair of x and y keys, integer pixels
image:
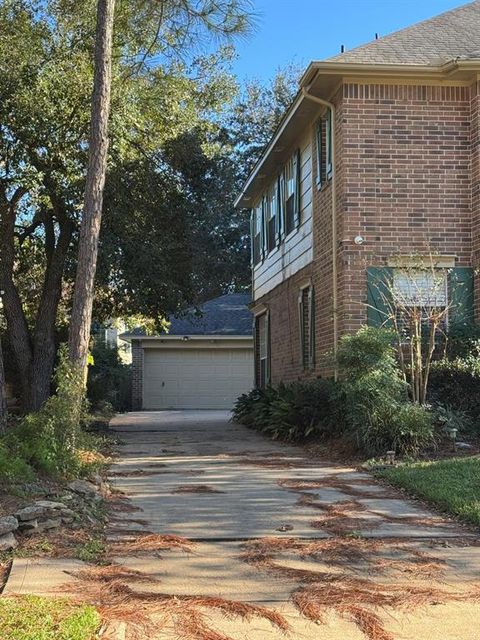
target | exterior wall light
[{"x": 359, "y": 240}]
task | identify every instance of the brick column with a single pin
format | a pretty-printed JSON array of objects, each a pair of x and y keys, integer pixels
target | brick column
[{"x": 137, "y": 375}]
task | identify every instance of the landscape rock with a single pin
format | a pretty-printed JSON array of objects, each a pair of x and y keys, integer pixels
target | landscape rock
[
  {"x": 8, "y": 542},
  {"x": 30, "y": 513},
  {"x": 51, "y": 523},
  {"x": 8, "y": 524},
  {"x": 83, "y": 487},
  {"x": 28, "y": 525},
  {"x": 49, "y": 504}
]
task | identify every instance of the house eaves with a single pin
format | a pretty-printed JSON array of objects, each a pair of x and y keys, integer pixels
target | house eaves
[{"x": 322, "y": 78}]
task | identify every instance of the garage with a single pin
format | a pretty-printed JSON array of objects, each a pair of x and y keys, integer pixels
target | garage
[
  {"x": 211, "y": 377},
  {"x": 205, "y": 361}
]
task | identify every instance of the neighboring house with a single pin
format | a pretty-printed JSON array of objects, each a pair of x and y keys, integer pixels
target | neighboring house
[
  {"x": 377, "y": 159},
  {"x": 204, "y": 362},
  {"x": 110, "y": 333}
]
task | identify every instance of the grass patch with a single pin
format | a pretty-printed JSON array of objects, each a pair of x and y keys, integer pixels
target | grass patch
[
  {"x": 452, "y": 485},
  {"x": 35, "y": 618}
]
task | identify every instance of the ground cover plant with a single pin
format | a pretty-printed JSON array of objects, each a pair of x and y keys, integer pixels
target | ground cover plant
[
  {"x": 36, "y": 618},
  {"x": 452, "y": 485}
]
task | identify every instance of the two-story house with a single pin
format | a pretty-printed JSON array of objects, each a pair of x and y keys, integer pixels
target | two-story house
[{"x": 376, "y": 160}]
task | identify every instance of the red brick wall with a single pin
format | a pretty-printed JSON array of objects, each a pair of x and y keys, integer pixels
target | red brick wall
[
  {"x": 475, "y": 168},
  {"x": 407, "y": 182},
  {"x": 407, "y": 172}
]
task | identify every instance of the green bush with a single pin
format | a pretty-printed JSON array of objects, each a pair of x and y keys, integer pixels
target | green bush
[
  {"x": 377, "y": 412},
  {"x": 50, "y": 439},
  {"x": 456, "y": 384},
  {"x": 109, "y": 379},
  {"x": 13, "y": 467},
  {"x": 405, "y": 428},
  {"x": 290, "y": 412},
  {"x": 369, "y": 404}
]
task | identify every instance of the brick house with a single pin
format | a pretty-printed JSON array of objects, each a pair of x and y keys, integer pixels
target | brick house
[{"x": 376, "y": 160}]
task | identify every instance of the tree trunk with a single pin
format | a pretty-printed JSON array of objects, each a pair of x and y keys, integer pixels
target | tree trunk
[
  {"x": 44, "y": 347},
  {"x": 17, "y": 328},
  {"x": 3, "y": 396},
  {"x": 79, "y": 335}
]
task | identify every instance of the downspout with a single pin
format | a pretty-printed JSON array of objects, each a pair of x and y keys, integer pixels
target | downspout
[{"x": 331, "y": 106}]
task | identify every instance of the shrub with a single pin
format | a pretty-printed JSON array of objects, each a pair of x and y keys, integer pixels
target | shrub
[
  {"x": 50, "y": 439},
  {"x": 109, "y": 379},
  {"x": 456, "y": 383},
  {"x": 302, "y": 409},
  {"x": 406, "y": 428},
  {"x": 377, "y": 411},
  {"x": 290, "y": 412},
  {"x": 13, "y": 468}
]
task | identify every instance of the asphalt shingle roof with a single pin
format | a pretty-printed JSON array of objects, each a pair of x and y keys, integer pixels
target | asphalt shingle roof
[
  {"x": 227, "y": 315},
  {"x": 454, "y": 34}
]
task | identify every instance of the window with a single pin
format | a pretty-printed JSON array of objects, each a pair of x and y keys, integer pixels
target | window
[
  {"x": 306, "y": 304},
  {"x": 257, "y": 234},
  {"x": 419, "y": 294},
  {"x": 328, "y": 144},
  {"x": 272, "y": 217},
  {"x": 292, "y": 193},
  {"x": 262, "y": 348},
  {"x": 319, "y": 151}
]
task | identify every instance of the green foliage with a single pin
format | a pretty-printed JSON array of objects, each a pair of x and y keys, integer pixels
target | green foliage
[
  {"x": 50, "y": 439},
  {"x": 13, "y": 468},
  {"x": 290, "y": 412},
  {"x": 91, "y": 551},
  {"x": 406, "y": 428},
  {"x": 376, "y": 410},
  {"x": 36, "y": 618},
  {"x": 447, "y": 418},
  {"x": 455, "y": 379},
  {"x": 109, "y": 379}
]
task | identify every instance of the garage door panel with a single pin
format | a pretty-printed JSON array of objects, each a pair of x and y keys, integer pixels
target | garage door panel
[{"x": 196, "y": 378}]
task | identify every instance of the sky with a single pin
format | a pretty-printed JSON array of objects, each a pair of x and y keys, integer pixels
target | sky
[{"x": 299, "y": 31}]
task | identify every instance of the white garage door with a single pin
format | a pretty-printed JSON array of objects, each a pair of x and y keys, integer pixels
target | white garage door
[{"x": 195, "y": 378}]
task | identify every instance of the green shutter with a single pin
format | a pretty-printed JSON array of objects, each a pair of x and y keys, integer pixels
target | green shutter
[
  {"x": 252, "y": 237},
  {"x": 461, "y": 312},
  {"x": 379, "y": 310},
  {"x": 312, "y": 328},
  {"x": 297, "y": 169},
  {"x": 268, "y": 373},
  {"x": 264, "y": 249}
]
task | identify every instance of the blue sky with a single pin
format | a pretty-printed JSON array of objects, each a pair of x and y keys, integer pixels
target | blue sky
[{"x": 304, "y": 30}]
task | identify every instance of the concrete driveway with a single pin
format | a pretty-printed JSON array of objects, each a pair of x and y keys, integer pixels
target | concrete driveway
[{"x": 197, "y": 475}]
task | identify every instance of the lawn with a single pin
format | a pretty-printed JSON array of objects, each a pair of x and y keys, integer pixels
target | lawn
[
  {"x": 452, "y": 485},
  {"x": 35, "y": 618}
]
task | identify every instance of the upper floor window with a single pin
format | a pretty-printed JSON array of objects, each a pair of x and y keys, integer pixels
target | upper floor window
[
  {"x": 272, "y": 216},
  {"x": 257, "y": 233}
]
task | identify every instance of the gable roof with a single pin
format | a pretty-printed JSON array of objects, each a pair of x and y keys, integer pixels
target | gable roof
[
  {"x": 450, "y": 35},
  {"x": 227, "y": 315}
]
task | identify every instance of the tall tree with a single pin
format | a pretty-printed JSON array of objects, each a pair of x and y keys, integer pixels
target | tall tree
[
  {"x": 81, "y": 318},
  {"x": 46, "y": 76}
]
